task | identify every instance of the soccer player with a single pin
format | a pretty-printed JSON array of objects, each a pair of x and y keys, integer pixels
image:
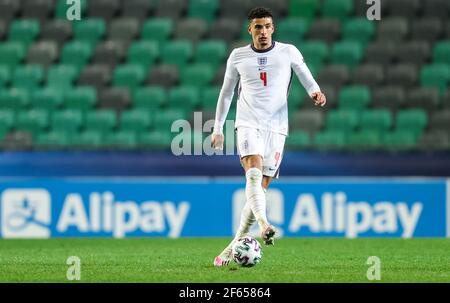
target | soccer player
[{"x": 264, "y": 72}]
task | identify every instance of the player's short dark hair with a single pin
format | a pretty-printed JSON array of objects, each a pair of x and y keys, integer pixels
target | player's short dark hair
[{"x": 259, "y": 12}]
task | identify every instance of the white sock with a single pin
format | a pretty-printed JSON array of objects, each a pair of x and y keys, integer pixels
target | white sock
[
  {"x": 256, "y": 196},
  {"x": 247, "y": 220}
]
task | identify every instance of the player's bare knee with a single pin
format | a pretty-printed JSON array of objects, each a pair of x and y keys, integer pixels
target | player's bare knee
[{"x": 252, "y": 161}]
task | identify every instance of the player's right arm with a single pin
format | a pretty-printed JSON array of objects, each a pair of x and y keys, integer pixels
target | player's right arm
[{"x": 230, "y": 80}]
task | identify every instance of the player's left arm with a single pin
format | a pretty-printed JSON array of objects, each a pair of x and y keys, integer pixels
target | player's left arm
[{"x": 306, "y": 78}]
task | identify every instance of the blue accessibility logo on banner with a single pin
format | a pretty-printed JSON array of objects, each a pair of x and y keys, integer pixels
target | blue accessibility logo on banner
[{"x": 26, "y": 213}]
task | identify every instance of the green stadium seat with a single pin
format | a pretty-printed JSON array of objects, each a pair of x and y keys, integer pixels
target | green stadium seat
[
  {"x": 177, "y": 52},
  {"x": 82, "y": 98},
  {"x": 413, "y": 120},
  {"x": 135, "y": 120},
  {"x": 130, "y": 76},
  {"x": 157, "y": 29},
  {"x": 354, "y": 97},
  {"x": 89, "y": 30},
  {"x": 88, "y": 139},
  {"x": 143, "y": 52},
  {"x": 101, "y": 120},
  {"x": 54, "y": 139},
  {"x": 245, "y": 37},
  {"x": 330, "y": 140},
  {"x": 14, "y": 98},
  {"x": 68, "y": 120},
  {"x": 62, "y": 76},
  {"x": 209, "y": 97},
  {"x": 213, "y": 52},
  {"x": 441, "y": 52},
  {"x": 184, "y": 97},
  {"x": 348, "y": 53},
  {"x": 24, "y": 31},
  {"x": 338, "y": 9},
  {"x": 291, "y": 30},
  {"x": 313, "y": 68},
  {"x": 298, "y": 140},
  {"x": 3, "y": 133},
  {"x": 8, "y": 120},
  {"x": 342, "y": 120},
  {"x": 364, "y": 140},
  {"x": 62, "y": 7},
  {"x": 376, "y": 119},
  {"x": 359, "y": 29},
  {"x": 76, "y": 53},
  {"x": 5, "y": 75},
  {"x": 149, "y": 97},
  {"x": 198, "y": 75},
  {"x": 46, "y": 98},
  {"x": 296, "y": 96},
  {"x": 11, "y": 53},
  {"x": 400, "y": 140},
  {"x": 304, "y": 8},
  {"x": 33, "y": 121},
  {"x": 436, "y": 75},
  {"x": 314, "y": 52},
  {"x": 163, "y": 121},
  {"x": 28, "y": 77},
  {"x": 157, "y": 139},
  {"x": 203, "y": 9},
  {"x": 121, "y": 140},
  {"x": 231, "y": 115}
]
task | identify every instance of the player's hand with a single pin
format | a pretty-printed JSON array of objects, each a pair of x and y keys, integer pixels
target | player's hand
[
  {"x": 217, "y": 141},
  {"x": 319, "y": 99}
]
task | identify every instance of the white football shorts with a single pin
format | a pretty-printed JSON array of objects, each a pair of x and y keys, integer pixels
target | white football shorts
[{"x": 269, "y": 145}]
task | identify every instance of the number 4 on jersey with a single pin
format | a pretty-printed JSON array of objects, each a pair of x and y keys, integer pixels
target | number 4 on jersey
[{"x": 263, "y": 77}]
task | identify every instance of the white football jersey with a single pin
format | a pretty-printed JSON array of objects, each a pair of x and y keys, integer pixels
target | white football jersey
[{"x": 264, "y": 78}]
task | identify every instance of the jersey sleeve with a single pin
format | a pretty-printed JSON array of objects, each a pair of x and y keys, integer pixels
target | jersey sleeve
[
  {"x": 302, "y": 71},
  {"x": 230, "y": 80}
]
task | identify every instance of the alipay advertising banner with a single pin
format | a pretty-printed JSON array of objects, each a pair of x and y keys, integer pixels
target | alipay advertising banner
[{"x": 105, "y": 207}]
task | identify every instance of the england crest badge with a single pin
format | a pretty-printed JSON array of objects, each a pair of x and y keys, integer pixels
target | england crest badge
[{"x": 262, "y": 60}]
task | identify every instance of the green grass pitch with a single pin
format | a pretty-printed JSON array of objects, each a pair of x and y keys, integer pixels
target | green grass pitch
[{"x": 190, "y": 260}]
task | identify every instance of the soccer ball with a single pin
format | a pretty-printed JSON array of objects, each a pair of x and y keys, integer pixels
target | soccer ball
[{"x": 247, "y": 252}]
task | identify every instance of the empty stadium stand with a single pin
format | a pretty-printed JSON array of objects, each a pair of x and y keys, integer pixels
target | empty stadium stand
[{"x": 120, "y": 76}]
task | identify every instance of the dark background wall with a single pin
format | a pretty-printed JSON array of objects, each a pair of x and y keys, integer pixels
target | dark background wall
[{"x": 59, "y": 164}]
